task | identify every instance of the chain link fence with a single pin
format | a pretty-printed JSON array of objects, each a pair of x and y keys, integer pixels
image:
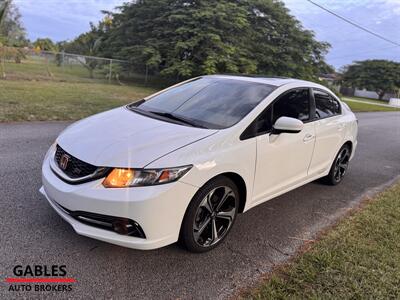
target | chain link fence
[{"x": 31, "y": 64}]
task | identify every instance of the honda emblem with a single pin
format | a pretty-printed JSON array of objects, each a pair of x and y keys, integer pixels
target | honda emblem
[{"x": 64, "y": 161}]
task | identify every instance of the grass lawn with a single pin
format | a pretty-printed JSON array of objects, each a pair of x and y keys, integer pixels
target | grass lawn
[
  {"x": 358, "y": 259},
  {"x": 37, "y": 68},
  {"x": 366, "y": 107},
  {"x": 23, "y": 100},
  {"x": 31, "y": 94},
  {"x": 367, "y": 100},
  {"x": 34, "y": 100}
]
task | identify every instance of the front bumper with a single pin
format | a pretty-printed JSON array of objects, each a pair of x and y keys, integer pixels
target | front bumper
[{"x": 159, "y": 209}]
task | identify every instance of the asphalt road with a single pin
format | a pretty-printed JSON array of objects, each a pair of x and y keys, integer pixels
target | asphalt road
[{"x": 32, "y": 233}]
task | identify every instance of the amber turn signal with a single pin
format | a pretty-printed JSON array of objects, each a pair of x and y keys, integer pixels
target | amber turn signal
[{"x": 119, "y": 178}]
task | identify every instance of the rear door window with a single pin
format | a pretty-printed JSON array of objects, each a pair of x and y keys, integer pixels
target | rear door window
[{"x": 325, "y": 105}]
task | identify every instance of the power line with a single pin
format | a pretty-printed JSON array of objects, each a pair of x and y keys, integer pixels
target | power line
[
  {"x": 355, "y": 24},
  {"x": 310, "y": 25},
  {"x": 372, "y": 51}
]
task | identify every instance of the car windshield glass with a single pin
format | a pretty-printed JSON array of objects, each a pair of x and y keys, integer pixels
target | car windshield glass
[{"x": 209, "y": 102}]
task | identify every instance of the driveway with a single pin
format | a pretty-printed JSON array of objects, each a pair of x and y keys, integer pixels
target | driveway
[{"x": 32, "y": 233}]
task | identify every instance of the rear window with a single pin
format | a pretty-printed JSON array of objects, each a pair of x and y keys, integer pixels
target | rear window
[
  {"x": 213, "y": 102},
  {"x": 325, "y": 105}
]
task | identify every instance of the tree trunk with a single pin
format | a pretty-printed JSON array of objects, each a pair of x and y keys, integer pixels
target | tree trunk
[
  {"x": 48, "y": 68},
  {"x": 381, "y": 94},
  {"x": 3, "y": 68}
]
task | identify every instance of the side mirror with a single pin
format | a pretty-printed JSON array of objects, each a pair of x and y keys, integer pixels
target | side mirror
[{"x": 287, "y": 125}]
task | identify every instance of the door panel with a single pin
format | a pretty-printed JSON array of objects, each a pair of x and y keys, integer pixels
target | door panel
[
  {"x": 282, "y": 160},
  {"x": 329, "y": 134},
  {"x": 329, "y": 130}
]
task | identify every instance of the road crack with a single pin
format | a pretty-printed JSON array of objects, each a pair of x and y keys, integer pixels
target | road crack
[{"x": 277, "y": 249}]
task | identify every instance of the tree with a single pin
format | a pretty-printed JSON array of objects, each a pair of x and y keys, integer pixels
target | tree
[
  {"x": 12, "y": 33},
  {"x": 3, "y": 8},
  {"x": 45, "y": 44},
  {"x": 185, "y": 38},
  {"x": 381, "y": 76},
  {"x": 86, "y": 44},
  {"x": 280, "y": 45}
]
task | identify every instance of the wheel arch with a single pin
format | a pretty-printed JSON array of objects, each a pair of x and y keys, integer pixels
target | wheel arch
[
  {"x": 346, "y": 143},
  {"x": 350, "y": 144},
  {"x": 241, "y": 185}
]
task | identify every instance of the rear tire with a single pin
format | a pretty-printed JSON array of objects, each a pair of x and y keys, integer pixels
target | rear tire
[
  {"x": 210, "y": 215},
  {"x": 339, "y": 166}
]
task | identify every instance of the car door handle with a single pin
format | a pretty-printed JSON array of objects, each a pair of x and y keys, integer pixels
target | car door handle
[{"x": 308, "y": 137}]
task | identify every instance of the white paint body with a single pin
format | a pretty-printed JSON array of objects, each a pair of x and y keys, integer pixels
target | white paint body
[{"x": 269, "y": 164}]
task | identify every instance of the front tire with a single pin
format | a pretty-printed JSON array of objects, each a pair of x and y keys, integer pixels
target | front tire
[
  {"x": 210, "y": 215},
  {"x": 339, "y": 166}
]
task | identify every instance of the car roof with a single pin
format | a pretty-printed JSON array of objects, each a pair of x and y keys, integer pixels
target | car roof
[{"x": 275, "y": 81}]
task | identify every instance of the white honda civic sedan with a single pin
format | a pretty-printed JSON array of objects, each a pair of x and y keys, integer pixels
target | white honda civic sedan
[{"x": 180, "y": 165}]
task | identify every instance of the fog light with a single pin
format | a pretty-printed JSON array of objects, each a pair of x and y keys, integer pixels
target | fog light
[{"x": 121, "y": 226}]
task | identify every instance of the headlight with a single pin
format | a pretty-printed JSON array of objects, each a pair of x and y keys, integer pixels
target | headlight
[{"x": 121, "y": 178}]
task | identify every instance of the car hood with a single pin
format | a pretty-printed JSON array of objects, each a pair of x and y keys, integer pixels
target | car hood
[{"x": 122, "y": 138}]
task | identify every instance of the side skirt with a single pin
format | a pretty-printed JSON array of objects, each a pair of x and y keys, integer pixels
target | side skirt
[{"x": 308, "y": 180}]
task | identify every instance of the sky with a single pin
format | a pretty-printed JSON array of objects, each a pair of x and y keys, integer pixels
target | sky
[{"x": 63, "y": 20}]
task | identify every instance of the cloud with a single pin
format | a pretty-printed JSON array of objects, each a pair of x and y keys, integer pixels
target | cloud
[
  {"x": 348, "y": 42},
  {"x": 72, "y": 11},
  {"x": 66, "y": 19},
  {"x": 382, "y": 8},
  {"x": 394, "y": 5},
  {"x": 60, "y": 19}
]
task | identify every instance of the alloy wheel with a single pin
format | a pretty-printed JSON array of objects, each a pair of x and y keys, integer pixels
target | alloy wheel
[
  {"x": 341, "y": 164},
  {"x": 214, "y": 216}
]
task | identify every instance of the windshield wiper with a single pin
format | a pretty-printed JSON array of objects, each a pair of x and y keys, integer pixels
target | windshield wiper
[
  {"x": 166, "y": 115},
  {"x": 176, "y": 118}
]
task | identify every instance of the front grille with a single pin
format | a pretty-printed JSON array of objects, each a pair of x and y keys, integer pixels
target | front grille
[
  {"x": 75, "y": 168},
  {"x": 118, "y": 225}
]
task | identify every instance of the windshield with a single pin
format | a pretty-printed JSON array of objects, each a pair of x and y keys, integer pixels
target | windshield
[{"x": 208, "y": 102}]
